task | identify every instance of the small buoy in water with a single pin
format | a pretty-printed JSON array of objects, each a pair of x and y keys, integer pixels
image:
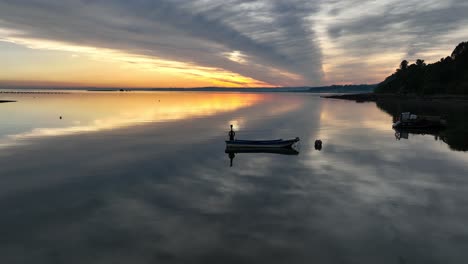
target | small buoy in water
[{"x": 318, "y": 144}]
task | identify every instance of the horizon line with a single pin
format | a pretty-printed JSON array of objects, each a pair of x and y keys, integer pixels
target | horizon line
[{"x": 10, "y": 87}]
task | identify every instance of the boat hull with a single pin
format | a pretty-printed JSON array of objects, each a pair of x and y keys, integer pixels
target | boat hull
[
  {"x": 411, "y": 121},
  {"x": 282, "y": 151},
  {"x": 279, "y": 143},
  {"x": 423, "y": 124}
]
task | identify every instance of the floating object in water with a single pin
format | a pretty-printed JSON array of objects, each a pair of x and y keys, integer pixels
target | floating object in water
[
  {"x": 318, "y": 144},
  {"x": 60, "y": 117},
  {"x": 408, "y": 120}
]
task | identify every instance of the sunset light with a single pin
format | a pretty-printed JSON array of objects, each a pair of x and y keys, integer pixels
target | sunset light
[{"x": 237, "y": 131}]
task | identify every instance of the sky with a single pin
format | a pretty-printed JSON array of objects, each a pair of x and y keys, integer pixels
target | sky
[{"x": 232, "y": 43}]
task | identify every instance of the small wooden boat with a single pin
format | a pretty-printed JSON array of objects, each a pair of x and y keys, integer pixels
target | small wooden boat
[
  {"x": 278, "y": 143},
  {"x": 411, "y": 121},
  {"x": 253, "y": 150}
]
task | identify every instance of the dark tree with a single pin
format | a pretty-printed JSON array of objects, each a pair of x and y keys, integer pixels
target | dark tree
[
  {"x": 420, "y": 63},
  {"x": 462, "y": 48},
  {"x": 447, "y": 76},
  {"x": 448, "y": 60},
  {"x": 404, "y": 65}
]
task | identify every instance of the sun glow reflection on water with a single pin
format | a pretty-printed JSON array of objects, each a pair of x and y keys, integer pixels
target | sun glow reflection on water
[{"x": 93, "y": 111}]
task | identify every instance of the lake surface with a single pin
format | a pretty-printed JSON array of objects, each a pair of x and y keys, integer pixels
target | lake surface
[{"x": 141, "y": 177}]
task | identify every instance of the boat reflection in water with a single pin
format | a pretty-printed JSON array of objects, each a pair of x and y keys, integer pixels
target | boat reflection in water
[
  {"x": 408, "y": 123},
  {"x": 232, "y": 151},
  {"x": 453, "y": 115},
  {"x": 438, "y": 134}
]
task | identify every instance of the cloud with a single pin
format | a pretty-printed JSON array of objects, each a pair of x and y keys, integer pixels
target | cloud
[
  {"x": 375, "y": 36},
  {"x": 367, "y": 30},
  {"x": 274, "y": 36},
  {"x": 296, "y": 42}
]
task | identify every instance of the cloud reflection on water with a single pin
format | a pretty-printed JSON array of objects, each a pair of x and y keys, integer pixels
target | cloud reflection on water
[{"x": 167, "y": 194}]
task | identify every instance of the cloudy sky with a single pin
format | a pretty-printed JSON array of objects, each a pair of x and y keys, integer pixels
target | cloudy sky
[{"x": 188, "y": 43}]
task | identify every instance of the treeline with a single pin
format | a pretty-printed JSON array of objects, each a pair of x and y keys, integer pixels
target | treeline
[
  {"x": 448, "y": 76},
  {"x": 349, "y": 88}
]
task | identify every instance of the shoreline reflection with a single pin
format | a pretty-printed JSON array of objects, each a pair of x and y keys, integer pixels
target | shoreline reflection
[
  {"x": 404, "y": 133},
  {"x": 454, "y": 135}
]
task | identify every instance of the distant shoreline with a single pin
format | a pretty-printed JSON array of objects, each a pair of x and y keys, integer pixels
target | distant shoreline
[
  {"x": 7, "y": 101},
  {"x": 374, "y": 97},
  {"x": 31, "y": 92},
  {"x": 361, "y": 88}
]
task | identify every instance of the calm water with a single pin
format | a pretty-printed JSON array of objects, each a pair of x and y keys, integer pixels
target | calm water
[{"x": 144, "y": 178}]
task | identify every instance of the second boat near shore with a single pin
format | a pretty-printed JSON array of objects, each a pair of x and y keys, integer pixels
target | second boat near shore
[{"x": 412, "y": 121}]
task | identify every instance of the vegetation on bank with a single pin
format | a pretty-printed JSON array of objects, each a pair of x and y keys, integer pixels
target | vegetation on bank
[
  {"x": 448, "y": 76},
  {"x": 358, "y": 88}
]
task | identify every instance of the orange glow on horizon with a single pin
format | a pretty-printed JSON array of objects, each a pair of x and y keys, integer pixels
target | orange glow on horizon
[{"x": 83, "y": 66}]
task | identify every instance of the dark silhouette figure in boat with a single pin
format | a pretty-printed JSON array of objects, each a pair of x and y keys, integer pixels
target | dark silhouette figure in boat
[{"x": 232, "y": 134}]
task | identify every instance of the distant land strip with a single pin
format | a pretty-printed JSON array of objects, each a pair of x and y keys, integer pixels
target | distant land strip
[
  {"x": 30, "y": 92},
  {"x": 358, "y": 88},
  {"x": 6, "y": 101}
]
